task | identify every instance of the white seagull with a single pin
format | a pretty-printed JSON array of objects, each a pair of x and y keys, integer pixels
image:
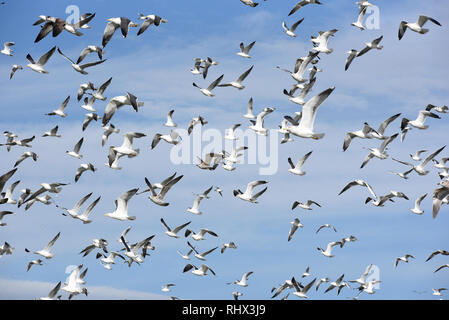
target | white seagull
[
  {"x": 297, "y": 169},
  {"x": 417, "y": 209},
  {"x": 416, "y": 26},
  {"x": 60, "y": 110},
  {"x": 248, "y": 194},
  {"x": 121, "y": 206},
  {"x": 291, "y": 31},
  {"x": 39, "y": 65},
  {"x": 174, "y": 233},
  {"x": 46, "y": 252},
  {"x": 208, "y": 91},
  {"x": 244, "y": 51}
]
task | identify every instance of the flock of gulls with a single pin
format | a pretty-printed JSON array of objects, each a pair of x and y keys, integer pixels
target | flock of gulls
[{"x": 300, "y": 124}]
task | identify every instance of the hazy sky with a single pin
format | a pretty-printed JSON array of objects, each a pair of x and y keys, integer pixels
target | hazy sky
[{"x": 403, "y": 77}]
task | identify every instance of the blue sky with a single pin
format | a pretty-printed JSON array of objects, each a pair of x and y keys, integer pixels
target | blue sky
[{"x": 404, "y": 77}]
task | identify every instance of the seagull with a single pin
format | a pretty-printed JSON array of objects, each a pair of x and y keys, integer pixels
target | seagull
[
  {"x": 291, "y": 32},
  {"x": 244, "y": 51},
  {"x": 52, "y": 24},
  {"x": 83, "y": 89},
  {"x": 166, "y": 288},
  {"x": 339, "y": 283},
  {"x": 34, "y": 262},
  {"x": 199, "y": 272},
  {"x": 360, "y": 18},
  {"x": 39, "y": 65},
  {"x": 89, "y": 104},
  {"x": 416, "y": 27},
  {"x": 362, "y": 279},
  {"x": 420, "y": 168},
  {"x": 287, "y": 284},
  {"x": 88, "y": 50},
  {"x": 10, "y": 138},
  {"x": 302, "y": 293},
  {"x": 197, "y": 66},
  {"x": 371, "y": 45},
  {"x": 200, "y": 235},
  {"x": 442, "y": 252},
  {"x": 89, "y": 118},
  {"x": 249, "y": 111},
  {"x": 441, "y": 267},
  {"x": 321, "y": 41},
  {"x": 73, "y": 286},
  {"x": 108, "y": 130},
  {"x": 320, "y": 281},
  {"x": 27, "y": 154},
  {"x": 300, "y": 98},
  {"x": 46, "y": 252},
  {"x": 250, "y": 3},
  {"x": 98, "y": 93},
  {"x": 306, "y": 206},
  {"x": 248, "y": 194},
  {"x": 117, "y": 102},
  {"x": 443, "y": 109},
  {"x": 441, "y": 164},
  {"x": 198, "y": 255},
  {"x": 7, "y": 50},
  {"x": 297, "y": 169},
  {"x": 231, "y": 132},
  {"x": 419, "y": 121},
  {"x": 306, "y": 273},
  {"x": 301, "y": 67},
  {"x": 417, "y": 209},
  {"x": 219, "y": 190},
  {"x": 126, "y": 147},
  {"x": 75, "y": 153},
  {"x": 380, "y": 201},
  {"x": 328, "y": 251},
  {"x": 207, "y": 163},
  {"x": 121, "y": 206},
  {"x": 186, "y": 256},
  {"x": 196, "y": 205},
  {"x": 60, "y": 110},
  {"x": 15, "y": 67},
  {"x": 379, "y": 152},
  {"x": 84, "y": 217},
  {"x": 437, "y": 292},
  {"x": 80, "y": 68},
  {"x": 207, "y": 63},
  {"x": 8, "y": 194},
  {"x": 52, "y": 293},
  {"x": 438, "y": 195},
  {"x": 2, "y": 214},
  {"x": 208, "y": 91},
  {"x": 365, "y": 133},
  {"x": 301, "y": 4},
  {"x": 258, "y": 125},
  {"x": 237, "y": 294},
  {"x": 195, "y": 121},
  {"x": 304, "y": 128},
  {"x": 170, "y": 122},
  {"x": 242, "y": 282},
  {"x": 404, "y": 258},
  {"x": 295, "y": 225},
  {"x": 361, "y": 183},
  {"x": 326, "y": 226},
  {"x": 82, "y": 168},
  {"x": 149, "y": 20},
  {"x": 109, "y": 259},
  {"x": 369, "y": 287},
  {"x": 417, "y": 157},
  {"x": 238, "y": 83},
  {"x": 352, "y": 54},
  {"x": 6, "y": 249},
  {"x": 230, "y": 245},
  {"x": 347, "y": 239},
  {"x": 174, "y": 233},
  {"x": 22, "y": 143},
  {"x": 52, "y": 133},
  {"x": 115, "y": 23},
  {"x": 403, "y": 175},
  {"x": 50, "y": 187},
  {"x": 159, "y": 185},
  {"x": 159, "y": 198}
]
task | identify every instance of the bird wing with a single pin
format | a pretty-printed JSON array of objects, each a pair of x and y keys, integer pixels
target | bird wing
[
  {"x": 108, "y": 32},
  {"x": 90, "y": 207},
  {"x": 310, "y": 108},
  {"x": 301, "y": 161},
  {"x": 244, "y": 75},
  {"x": 215, "y": 83},
  {"x": 386, "y": 123},
  {"x": 44, "y": 58},
  {"x": 167, "y": 187},
  {"x": 252, "y": 185},
  {"x": 91, "y": 64},
  {"x": 78, "y": 145},
  {"x": 45, "y": 30},
  {"x": 176, "y": 230},
  {"x": 52, "y": 242},
  {"x": 387, "y": 141},
  {"x": 62, "y": 54},
  {"x": 296, "y": 24},
  {"x": 298, "y": 6},
  {"x": 431, "y": 156}
]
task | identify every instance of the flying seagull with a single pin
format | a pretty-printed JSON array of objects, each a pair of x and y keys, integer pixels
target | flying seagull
[
  {"x": 416, "y": 26},
  {"x": 301, "y": 4},
  {"x": 39, "y": 65}
]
